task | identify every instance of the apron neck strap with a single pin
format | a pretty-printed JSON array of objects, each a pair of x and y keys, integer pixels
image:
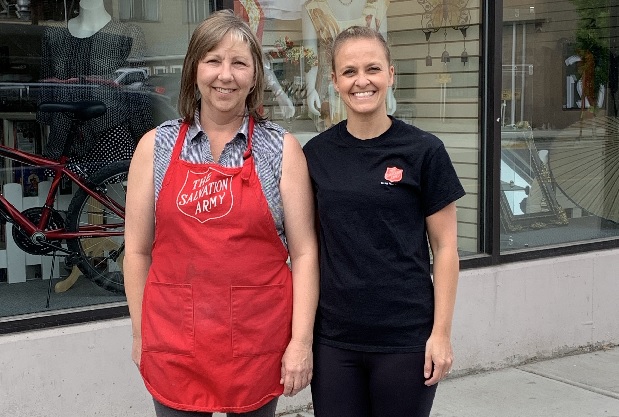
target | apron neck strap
[
  {"x": 180, "y": 140},
  {"x": 250, "y": 135},
  {"x": 248, "y": 162}
]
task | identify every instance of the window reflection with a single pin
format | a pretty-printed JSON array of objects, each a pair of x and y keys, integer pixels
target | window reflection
[
  {"x": 135, "y": 68},
  {"x": 147, "y": 10},
  {"x": 559, "y": 113}
]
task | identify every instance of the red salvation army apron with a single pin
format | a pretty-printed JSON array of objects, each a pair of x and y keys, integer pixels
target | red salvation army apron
[{"x": 217, "y": 307}]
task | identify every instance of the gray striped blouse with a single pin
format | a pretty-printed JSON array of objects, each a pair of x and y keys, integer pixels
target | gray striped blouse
[{"x": 268, "y": 144}]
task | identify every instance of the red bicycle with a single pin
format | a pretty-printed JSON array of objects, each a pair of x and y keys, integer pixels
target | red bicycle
[{"x": 90, "y": 233}]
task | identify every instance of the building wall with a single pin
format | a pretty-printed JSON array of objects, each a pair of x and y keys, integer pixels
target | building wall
[
  {"x": 530, "y": 310},
  {"x": 504, "y": 316}
]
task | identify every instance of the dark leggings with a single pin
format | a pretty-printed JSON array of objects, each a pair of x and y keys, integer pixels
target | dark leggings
[
  {"x": 348, "y": 383},
  {"x": 267, "y": 410}
]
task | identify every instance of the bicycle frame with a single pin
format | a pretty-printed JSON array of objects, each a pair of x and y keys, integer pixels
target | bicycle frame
[{"x": 60, "y": 169}]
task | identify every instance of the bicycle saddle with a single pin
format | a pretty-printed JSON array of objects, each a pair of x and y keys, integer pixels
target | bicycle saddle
[{"x": 82, "y": 110}]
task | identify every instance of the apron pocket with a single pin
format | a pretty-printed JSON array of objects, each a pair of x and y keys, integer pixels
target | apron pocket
[
  {"x": 260, "y": 320},
  {"x": 167, "y": 318}
]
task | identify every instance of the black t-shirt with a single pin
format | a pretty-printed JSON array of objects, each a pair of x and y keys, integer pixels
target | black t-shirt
[{"x": 376, "y": 292}]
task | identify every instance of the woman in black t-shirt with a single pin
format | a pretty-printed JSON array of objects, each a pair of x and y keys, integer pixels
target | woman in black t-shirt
[{"x": 384, "y": 190}]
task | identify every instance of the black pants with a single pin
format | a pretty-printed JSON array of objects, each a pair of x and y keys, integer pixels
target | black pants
[
  {"x": 267, "y": 410},
  {"x": 348, "y": 383}
]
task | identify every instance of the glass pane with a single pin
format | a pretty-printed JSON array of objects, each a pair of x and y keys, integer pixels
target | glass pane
[
  {"x": 559, "y": 172},
  {"x": 47, "y": 54},
  {"x": 435, "y": 47},
  {"x": 134, "y": 66}
]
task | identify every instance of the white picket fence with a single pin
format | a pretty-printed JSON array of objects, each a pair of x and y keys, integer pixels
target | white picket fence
[{"x": 13, "y": 258}]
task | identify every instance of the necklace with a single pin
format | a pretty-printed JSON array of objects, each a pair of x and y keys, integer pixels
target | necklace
[{"x": 345, "y": 3}]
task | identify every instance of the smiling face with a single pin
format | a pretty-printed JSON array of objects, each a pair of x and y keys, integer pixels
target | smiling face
[
  {"x": 362, "y": 75},
  {"x": 225, "y": 76}
]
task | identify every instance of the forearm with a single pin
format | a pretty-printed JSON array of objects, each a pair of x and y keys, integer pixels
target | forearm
[
  {"x": 135, "y": 271},
  {"x": 298, "y": 202},
  {"x": 297, "y": 361},
  {"x": 445, "y": 275},
  {"x": 305, "y": 297}
]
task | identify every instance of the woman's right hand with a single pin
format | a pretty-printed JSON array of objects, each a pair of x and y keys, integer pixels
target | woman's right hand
[{"x": 136, "y": 350}]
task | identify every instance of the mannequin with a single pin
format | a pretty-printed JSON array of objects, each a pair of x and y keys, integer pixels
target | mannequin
[
  {"x": 322, "y": 20},
  {"x": 92, "y": 18},
  {"x": 79, "y": 62},
  {"x": 252, "y": 12},
  {"x": 285, "y": 104},
  {"x": 87, "y": 53}
]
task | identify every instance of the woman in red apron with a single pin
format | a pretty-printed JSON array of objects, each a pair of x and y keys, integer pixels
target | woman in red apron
[{"x": 220, "y": 322}]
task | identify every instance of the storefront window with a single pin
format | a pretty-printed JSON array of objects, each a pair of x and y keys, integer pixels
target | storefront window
[
  {"x": 559, "y": 167},
  {"x": 123, "y": 55},
  {"x": 131, "y": 61},
  {"x": 436, "y": 52}
]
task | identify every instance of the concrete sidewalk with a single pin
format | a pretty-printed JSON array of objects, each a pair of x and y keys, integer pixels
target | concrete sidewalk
[{"x": 584, "y": 385}]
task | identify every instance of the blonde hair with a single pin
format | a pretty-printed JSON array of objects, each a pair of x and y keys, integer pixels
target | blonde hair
[
  {"x": 357, "y": 32},
  {"x": 205, "y": 38}
]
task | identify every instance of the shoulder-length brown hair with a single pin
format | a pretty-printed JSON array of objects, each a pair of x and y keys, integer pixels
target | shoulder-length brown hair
[{"x": 206, "y": 37}]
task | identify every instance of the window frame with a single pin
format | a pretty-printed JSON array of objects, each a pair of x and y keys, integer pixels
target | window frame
[{"x": 490, "y": 161}]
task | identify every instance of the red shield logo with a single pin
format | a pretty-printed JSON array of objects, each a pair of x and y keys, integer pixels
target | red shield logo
[
  {"x": 393, "y": 174},
  {"x": 206, "y": 195}
]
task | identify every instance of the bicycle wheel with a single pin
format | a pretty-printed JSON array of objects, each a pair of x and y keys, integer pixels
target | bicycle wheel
[{"x": 100, "y": 258}]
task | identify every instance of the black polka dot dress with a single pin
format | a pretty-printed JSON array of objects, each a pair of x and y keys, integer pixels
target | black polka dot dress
[{"x": 75, "y": 69}]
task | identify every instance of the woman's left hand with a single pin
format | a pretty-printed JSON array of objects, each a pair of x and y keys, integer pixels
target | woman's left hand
[
  {"x": 439, "y": 359},
  {"x": 297, "y": 364}
]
